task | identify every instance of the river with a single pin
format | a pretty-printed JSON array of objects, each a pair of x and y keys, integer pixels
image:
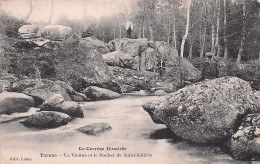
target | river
[{"x": 132, "y": 128}]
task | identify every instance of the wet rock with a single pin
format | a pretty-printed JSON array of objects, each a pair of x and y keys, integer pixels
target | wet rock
[
  {"x": 72, "y": 93},
  {"x": 57, "y": 103},
  {"x": 55, "y": 32},
  {"x": 206, "y": 112},
  {"x": 54, "y": 103},
  {"x": 160, "y": 93},
  {"x": 245, "y": 143},
  {"x": 167, "y": 85},
  {"x": 95, "y": 128},
  {"x": 96, "y": 93},
  {"x": 45, "y": 91},
  {"x": 118, "y": 58},
  {"x": 47, "y": 119},
  {"x": 12, "y": 102},
  {"x": 72, "y": 109}
]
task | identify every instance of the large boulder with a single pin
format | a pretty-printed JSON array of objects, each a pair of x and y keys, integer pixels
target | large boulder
[
  {"x": 53, "y": 103},
  {"x": 97, "y": 72},
  {"x": 55, "y": 32},
  {"x": 133, "y": 47},
  {"x": 129, "y": 46},
  {"x": 95, "y": 44},
  {"x": 132, "y": 80},
  {"x": 118, "y": 58},
  {"x": 149, "y": 60},
  {"x": 47, "y": 119},
  {"x": 72, "y": 108},
  {"x": 28, "y": 31},
  {"x": 96, "y": 93},
  {"x": 11, "y": 102},
  {"x": 72, "y": 93},
  {"x": 245, "y": 143},
  {"x": 95, "y": 128},
  {"x": 57, "y": 103},
  {"x": 45, "y": 91},
  {"x": 206, "y": 112}
]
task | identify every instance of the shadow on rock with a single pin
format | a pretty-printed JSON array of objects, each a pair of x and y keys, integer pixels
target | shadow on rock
[{"x": 164, "y": 133}]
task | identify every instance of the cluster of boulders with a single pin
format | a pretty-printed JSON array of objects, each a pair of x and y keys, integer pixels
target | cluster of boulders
[
  {"x": 56, "y": 100},
  {"x": 217, "y": 111},
  {"x": 140, "y": 56}
]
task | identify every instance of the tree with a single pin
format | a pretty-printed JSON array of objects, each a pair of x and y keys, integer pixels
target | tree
[
  {"x": 225, "y": 31},
  {"x": 191, "y": 34},
  {"x": 187, "y": 28},
  {"x": 243, "y": 34},
  {"x": 217, "y": 44},
  {"x": 203, "y": 32},
  {"x": 30, "y": 11},
  {"x": 51, "y": 13}
]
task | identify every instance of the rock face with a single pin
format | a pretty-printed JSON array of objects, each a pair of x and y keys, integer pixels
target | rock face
[
  {"x": 206, "y": 112},
  {"x": 28, "y": 31},
  {"x": 55, "y": 32},
  {"x": 129, "y": 46},
  {"x": 245, "y": 143},
  {"x": 118, "y": 58},
  {"x": 96, "y": 93},
  {"x": 132, "y": 80},
  {"x": 11, "y": 102},
  {"x": 95, "y": 128},
  {"x": 95, "y": 44},
  {"x": 42, "y": 93},
  {"x": 47, "y": 119},
  {"x": 147, "y": 56},
  {"x": 98, "y": 74},
  {"x": 57, "y": 103},
  {"x": 133, "y": 47}
]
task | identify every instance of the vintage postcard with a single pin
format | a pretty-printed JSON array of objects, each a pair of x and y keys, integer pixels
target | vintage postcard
[{"x": 129, "y": 81}]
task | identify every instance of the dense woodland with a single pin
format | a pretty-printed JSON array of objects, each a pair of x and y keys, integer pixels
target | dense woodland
[{"x": 226, "y": 28}]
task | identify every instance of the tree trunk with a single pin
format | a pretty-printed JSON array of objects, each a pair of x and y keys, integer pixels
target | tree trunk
[
  {"x": 213, "y": 36},
  {"x": 243, "y": 34},
  {"x": 174, "y": 32},
  {"x": 120, "y": 31},
  {"x": 103, "y": 33},
  {"x": 30, "y": 11},
  {"x": 151, "y": 32},
  {"x": 114, "y": 33},
  {"x": 217, "y": 44},
  {"x": 143, "y": 36},
  {"x": 225, "y": 31},
  {"x": 143, "y": 23},
  {"x": 51, "y": 14},
  {"x": 191, "y": 47},
  {"x": 191, "y": 37},
  {"x": 169, "y": 31},
  {"x": 187, "y": 29},
  {"x": 203, "y": 35}
]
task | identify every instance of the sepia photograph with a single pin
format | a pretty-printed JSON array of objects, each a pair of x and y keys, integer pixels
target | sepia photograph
[{"x": 129, "y": 81}]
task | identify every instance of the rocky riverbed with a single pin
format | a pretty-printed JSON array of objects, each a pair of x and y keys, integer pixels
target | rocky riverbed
[{"x": 132, "y": 128}]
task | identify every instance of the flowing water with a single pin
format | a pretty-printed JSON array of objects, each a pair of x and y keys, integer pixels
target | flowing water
[{"x": 132, "y": 128}]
